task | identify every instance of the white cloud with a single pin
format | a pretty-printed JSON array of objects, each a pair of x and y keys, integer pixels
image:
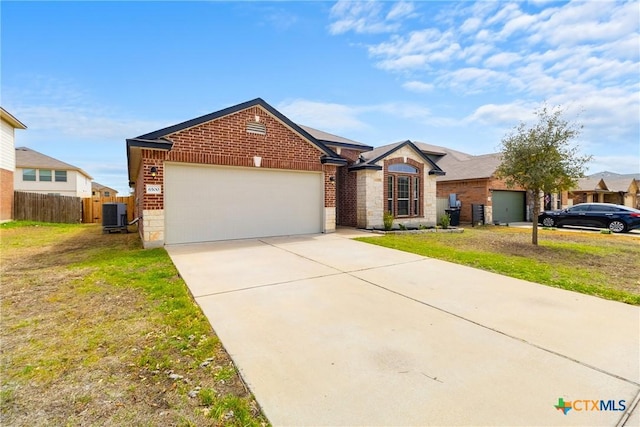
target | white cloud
[
  {"x": 618, "y": 164},
  {"x": 502, "y": 60},
  {"x": 401, "y": 9},
  {"x": 83, "y": 123},
  {"x": 369, "y": 17},
  {"x": 326, "y": 116},
  {"x": 359, "y": 17},
  {"x": 338, "y": 118},
  {"x": 417, "y": 86},
  {"x": 501, "y": 115}
]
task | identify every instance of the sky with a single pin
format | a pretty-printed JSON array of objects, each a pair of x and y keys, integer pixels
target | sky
[{"x": 85, "y": 76}]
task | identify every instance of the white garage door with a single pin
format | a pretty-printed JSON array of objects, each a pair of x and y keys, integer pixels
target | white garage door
[{"x": 207, "y": 203}]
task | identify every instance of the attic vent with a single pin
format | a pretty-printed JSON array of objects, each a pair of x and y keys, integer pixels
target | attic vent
[{"x": 256, "y": 128}]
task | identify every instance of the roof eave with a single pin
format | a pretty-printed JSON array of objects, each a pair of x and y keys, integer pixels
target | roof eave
[
  {"x": 337, "y": 161},
  {"x": 346, "y": 145},
  {"x": 357, "y": 167},
  {"x": 11, "y": 119},
  {"x": 134, "y": 148}
]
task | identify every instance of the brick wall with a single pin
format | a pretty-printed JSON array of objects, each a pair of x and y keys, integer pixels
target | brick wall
[
  {"x": 225, "y": 141},
  {"x": 346, "y": 190},
  {"x": 151, "y": 158},
  {"x": 6, "y": 194},
  {"x": 330, "y": 186},
  {"x": 472, "y": 191}
]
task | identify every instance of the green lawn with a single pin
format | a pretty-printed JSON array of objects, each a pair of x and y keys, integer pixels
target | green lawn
[
  {"x": 607, "y": 266},
  {"x": 98, "y": 331}
]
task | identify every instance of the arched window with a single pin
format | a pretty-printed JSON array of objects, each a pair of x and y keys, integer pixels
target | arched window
[
  {"x": 402, "y": 168},
  {"x": 403, "y": 190}
]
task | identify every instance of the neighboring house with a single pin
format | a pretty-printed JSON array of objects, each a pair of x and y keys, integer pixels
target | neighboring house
[
  {"x": 99, "y": 190},
  {"x": 39, "y": 173},
  {"x": 248, "y": 171},
  {"x": 607, "y": 187},
  {"x": 7, "y": 162},
  {"x": 473, "y": 180}
]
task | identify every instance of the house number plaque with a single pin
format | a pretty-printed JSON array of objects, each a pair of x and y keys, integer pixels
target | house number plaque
[{"x": 154, "y": 189}]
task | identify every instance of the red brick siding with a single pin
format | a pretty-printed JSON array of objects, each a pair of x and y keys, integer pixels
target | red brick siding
[
  {"x": 329, "y": 187},
  {"x": 225, "y": 141},
  {"x": 151, "y": 158},
  {"x": 471, "y": 191},
  {"x": 346, "y": 188},
  {"x": 139, "y": 194},
  {"x": 420, "y": 167},
  {"x": 6, "y": 194}
]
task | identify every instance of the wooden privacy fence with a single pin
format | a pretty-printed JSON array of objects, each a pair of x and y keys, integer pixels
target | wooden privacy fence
[
  {"x": 46, "y": 207},
  {"x": 92, "y": 207}
]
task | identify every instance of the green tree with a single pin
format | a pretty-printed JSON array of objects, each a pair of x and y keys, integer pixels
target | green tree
[{"x": 541, "y": 158}]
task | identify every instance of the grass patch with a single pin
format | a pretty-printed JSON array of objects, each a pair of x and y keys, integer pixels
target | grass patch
[
  {"x": 98, "y": 331},
  {"x": 593, "y": 264}
]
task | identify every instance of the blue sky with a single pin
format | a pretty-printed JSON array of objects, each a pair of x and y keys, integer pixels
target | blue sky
[{"x": 84, "y": 76}]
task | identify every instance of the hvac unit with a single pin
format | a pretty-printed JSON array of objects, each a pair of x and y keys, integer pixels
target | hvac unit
[{"x": 114, "y": 217}]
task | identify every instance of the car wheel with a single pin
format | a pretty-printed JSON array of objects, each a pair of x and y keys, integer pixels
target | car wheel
[
  {"x": 548, "y": 222},
  {"x": 617, "y": 226}
]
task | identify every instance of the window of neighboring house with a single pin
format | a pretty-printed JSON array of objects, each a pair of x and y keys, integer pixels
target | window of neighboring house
[
  {"x": 28, "y": 174},
  {"x": 61, "y": 176},
  {"x": 403, "y": 190},
  {"x": 559, "y": 201},
  {"x": 45, "y": 175},
  {"x": 107, "y": 194},
  {"x": 93, "y": 193}
]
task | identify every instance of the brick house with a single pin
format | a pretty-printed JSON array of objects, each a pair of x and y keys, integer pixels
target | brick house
[
  {"x": 7, "y": 162},
  {"x": 607, "y": 187},
  {"x": 248, "y": 171},
  {"x": 473, "y": 180}
]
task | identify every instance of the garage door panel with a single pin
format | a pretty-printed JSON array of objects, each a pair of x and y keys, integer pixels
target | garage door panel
[
  {"x": 508, "y": 206},
  {"x": 207, "y": 203}
]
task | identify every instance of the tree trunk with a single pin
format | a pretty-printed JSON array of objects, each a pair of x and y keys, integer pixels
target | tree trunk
[{"x": 534, "y": 217}]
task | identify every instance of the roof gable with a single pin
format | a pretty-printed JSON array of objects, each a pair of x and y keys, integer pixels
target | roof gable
[
  {"x": 10, "y": 118},
  {"x": 158, "y": 134},
  {"x": 369, "y": 159}
]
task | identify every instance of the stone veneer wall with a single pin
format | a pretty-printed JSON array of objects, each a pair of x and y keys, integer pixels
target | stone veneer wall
[
  {"x": 329, "y": 219},
  {"x": 153, "y": 227},
  {"x": 370, "y": 195},
  {"x": 369, "y": 202}
]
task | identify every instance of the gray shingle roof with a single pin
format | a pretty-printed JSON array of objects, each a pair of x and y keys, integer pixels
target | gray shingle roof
[
  {"x": 28, "y": 158},
  {"x": 97, "y": 186},
  {"x": 329, "y": 138}
]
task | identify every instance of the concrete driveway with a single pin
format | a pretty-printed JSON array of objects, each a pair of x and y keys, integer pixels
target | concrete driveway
[{"x": 330, "y": 331}]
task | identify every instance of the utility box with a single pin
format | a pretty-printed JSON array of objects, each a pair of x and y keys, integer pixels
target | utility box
[{"x": 114, "y": 217}]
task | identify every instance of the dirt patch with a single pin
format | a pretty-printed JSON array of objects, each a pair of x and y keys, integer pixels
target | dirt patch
[{"x": 80, "y": 349}]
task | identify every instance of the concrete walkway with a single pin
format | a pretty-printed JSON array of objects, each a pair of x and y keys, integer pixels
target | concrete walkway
[{"x": 330, "y": 331}]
